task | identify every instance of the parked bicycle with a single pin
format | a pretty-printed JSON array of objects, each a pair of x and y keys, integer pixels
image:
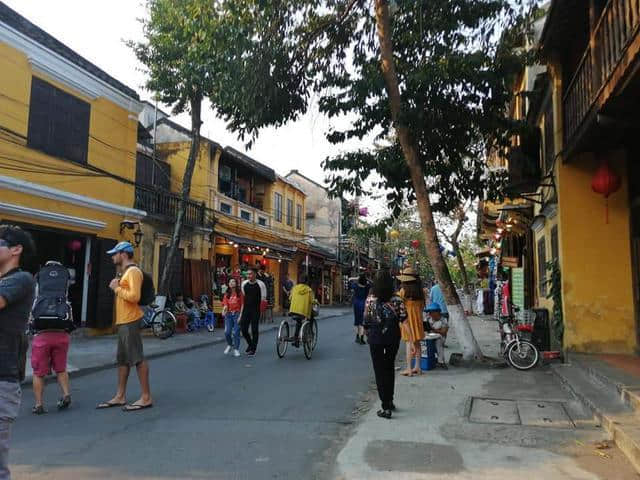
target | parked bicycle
[
  {"x": 159, "y": 319},
  {"x": 520, "y": 353}
]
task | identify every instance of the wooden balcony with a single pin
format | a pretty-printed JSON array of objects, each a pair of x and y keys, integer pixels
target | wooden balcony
[
  {"x": 603, "y": 66},
  {"x": 164, "y": 206}
]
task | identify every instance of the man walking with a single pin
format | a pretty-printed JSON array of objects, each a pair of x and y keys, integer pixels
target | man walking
[
  {"x": 128, "y": 289},
  {"x": 16, "y": 298},
  {"x": 254, "y": 292}
]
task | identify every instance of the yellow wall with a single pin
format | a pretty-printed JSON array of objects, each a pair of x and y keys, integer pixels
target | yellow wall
[
  {"x": 288, "y": 192},
  {"x": 112, "y": 147},
  {"x": 596, "y": 259}
]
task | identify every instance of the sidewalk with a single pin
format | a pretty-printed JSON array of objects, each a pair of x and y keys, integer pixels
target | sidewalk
[
  {"x": 90, "y": 354},
  {"x": 480, "y": 424}
]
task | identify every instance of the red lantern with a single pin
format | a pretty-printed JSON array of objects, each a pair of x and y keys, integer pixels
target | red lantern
[
  {"x": 415, "y": 244},
  {"x": 74, "y": 245},
  {"x": 605, "y": 182}
]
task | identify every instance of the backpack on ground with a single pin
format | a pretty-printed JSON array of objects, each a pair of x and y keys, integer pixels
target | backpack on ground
[
  {"x": 148, "y": 290},
  {"x": 51, "y": 308}
]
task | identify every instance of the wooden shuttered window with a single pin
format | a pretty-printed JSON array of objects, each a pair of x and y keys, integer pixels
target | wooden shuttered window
[
  {"x": 58, "y": 122},
  {"x": 542, "y": 267},
  {"x": 150, "y": 173}
]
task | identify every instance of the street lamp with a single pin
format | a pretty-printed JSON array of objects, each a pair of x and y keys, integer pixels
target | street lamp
[{"x": 129, "y": 225}]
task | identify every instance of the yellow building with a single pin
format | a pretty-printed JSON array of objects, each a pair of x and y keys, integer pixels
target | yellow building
[
  {"x": 259, "y": 221},
  {"x": 584, "y": 107},
  {"x": 592, "y": 52},
  {"x": 161, "y": 163},
  {"x": 68, "y": 135}
]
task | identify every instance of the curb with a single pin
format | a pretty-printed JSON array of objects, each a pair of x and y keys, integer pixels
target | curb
[{"x": 81, "y": 372}]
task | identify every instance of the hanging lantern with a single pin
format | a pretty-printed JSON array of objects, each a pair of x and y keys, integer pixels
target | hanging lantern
[
  {"x": 394, "y": 234},
  {"x": 605, "y": 182},
  {"x": 415, "y": 244},
  {"x": 75, "y": 246}
]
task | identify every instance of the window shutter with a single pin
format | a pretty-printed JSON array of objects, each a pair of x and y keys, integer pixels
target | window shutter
[{"x": 542, "y": 267}]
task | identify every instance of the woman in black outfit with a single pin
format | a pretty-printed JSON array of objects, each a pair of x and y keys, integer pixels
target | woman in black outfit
[{"x": 383, "y": 315}]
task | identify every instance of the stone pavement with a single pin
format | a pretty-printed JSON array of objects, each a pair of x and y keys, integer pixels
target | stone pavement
[
  {"x": 480, "y": 424},
  {"x": 90, "y": 354}
]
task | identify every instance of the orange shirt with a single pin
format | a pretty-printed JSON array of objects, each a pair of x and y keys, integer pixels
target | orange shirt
[{"x": 128, "y": 296}]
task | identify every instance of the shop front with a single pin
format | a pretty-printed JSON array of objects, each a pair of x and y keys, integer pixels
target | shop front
[{"x": 234, "y": 256}]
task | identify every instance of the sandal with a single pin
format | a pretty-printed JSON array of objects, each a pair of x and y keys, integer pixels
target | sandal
[
  {"x": 64, "y": 402},
  {"x": 135, "y": 407},
  {"x": 100, "y": 406},
  {"x": 407, "y": 373},
  {"x": 38, "y": 410}
]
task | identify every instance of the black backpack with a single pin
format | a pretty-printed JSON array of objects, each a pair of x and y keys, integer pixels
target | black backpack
[
  {"x": 148, "y": 290},
  {"x": 51, "y": 309}
]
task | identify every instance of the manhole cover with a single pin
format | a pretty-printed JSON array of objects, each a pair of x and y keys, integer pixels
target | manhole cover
[
  {"x": 535, "y": 413},
  {"x": 544, "y": 414},
  {"x": 488, "y": 410}
]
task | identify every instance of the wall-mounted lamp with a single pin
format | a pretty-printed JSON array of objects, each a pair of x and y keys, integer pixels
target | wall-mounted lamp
[{"x": 130, "y": 225}]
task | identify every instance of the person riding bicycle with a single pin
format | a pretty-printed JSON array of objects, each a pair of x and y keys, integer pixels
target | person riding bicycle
[{"x": 302, "y": 299}]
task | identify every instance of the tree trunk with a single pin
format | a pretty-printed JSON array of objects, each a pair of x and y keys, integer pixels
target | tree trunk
[
  {"x": 196, "y": 107},
  {"x": 462, "y": 267},
  {"x": 470, "y": 348}
]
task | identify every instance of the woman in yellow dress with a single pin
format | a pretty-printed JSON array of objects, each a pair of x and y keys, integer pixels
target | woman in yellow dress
[{"x": 412, "y": 330}]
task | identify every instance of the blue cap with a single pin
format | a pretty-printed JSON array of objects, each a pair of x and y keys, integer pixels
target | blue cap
[
  {"x": 121, "y": 247},
  {"x": 433, "y": 307}
]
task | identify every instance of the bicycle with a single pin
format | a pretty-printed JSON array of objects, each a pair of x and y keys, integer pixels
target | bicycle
[
  {"x": 160, "y": 319},
  {"x": 520, "y": 353},
  {"x": 207, "y": 321},
  {"x": 307, "y": 338}
]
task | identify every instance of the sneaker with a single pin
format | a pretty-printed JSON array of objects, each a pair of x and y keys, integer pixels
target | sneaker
[
  {"x": 236, "y": 353},
  {"x": 251, "y": 353},
  {"x": 443, "y": 366},
  {"x": 227, "y": 350}
]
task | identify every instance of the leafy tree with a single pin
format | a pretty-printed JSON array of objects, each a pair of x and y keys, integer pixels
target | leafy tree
[
  {"x": 430, "y": 77},
  {"x": 184, "y": 42}
]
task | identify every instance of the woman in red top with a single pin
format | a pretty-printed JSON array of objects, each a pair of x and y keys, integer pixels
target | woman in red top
[{"x": 231, "y": 307}]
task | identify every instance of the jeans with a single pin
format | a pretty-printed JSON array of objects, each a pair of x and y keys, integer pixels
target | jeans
[
  {"x": 250, "y": 318},
  {"x": 384, "y": 359},
  {"x": 232, "y": 329},
  {"x": 10, "y": 395}
]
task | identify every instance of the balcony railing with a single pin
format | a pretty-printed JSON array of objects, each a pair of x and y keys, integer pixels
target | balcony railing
[
  {"x": 242, "y": 211},
  {"x": 617, "y": 26},
  {"x": 164, "y": 206}
]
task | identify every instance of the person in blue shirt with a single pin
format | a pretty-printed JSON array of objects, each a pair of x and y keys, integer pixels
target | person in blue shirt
[
  {"x": 360, "y": 293},
  {"x": 435, "y": 296}
]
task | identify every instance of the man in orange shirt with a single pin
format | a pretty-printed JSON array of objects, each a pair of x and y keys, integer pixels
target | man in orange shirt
[{"x": 127, "y": 289}]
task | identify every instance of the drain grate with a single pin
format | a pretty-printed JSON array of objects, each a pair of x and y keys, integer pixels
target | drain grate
[{"x": 534, "y": 413}]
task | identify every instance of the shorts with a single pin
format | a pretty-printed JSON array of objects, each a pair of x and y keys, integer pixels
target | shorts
[
  {"x": 130, "y": 352},
  {"x": 49, "y": 349},
  {"x": 358, "y": 313}
]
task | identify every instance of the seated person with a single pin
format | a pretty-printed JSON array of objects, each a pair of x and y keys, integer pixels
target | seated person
[
  {"x": 436, "y": 323},
  {"x": 301, "y": 304},
  {"x": 193, "y": 310},
  {"x": 179, "y": 306}
]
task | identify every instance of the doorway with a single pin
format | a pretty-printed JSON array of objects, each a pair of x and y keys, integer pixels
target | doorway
[
  {"x": 72, "y": 250},
  {"x": 634, "y": 198}
]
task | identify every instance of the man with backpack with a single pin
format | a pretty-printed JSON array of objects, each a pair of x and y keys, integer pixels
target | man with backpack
[
  {"x": 128, "y": 289},
  {"x": 16, "y": 298},
  {"x": 52, "y": 324}
]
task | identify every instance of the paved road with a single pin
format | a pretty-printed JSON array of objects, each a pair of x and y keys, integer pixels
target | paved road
[{"x": 215, "y": 417}]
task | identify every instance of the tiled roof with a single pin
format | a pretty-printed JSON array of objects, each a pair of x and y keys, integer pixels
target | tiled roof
[
  {"x": 25, "y": 27},
  {"x": 179, "y": 128}
]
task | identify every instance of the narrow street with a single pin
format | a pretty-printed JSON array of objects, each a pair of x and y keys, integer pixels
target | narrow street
[{"x": 214, "y": 416}]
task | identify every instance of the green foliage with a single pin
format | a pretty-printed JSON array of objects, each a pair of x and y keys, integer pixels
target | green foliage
[
  {"x": 555, "y": 293},
  {"x": 185, "y": 44}
]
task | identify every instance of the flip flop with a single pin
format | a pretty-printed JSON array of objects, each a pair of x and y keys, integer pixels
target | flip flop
[
  {"x": 134, "y": 408},
  {"x": 406, "y": 374},
  {"x": 103, "y": 405}
]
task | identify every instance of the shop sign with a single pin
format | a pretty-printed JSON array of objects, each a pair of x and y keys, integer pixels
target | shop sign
[{"x": 511, "y": 262}]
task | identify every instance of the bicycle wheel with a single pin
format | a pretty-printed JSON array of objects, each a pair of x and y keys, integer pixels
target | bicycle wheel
[
  {"x": 306, "y": 337},
  {"x": 163, "y": 324},
  {"x": 282, "y": 339},
  {"x": 314, "y": 331},
  {"x": 523, "y": 355}
]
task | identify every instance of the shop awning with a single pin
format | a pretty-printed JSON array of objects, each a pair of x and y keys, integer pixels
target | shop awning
[{"x": 284, "y": 251}]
